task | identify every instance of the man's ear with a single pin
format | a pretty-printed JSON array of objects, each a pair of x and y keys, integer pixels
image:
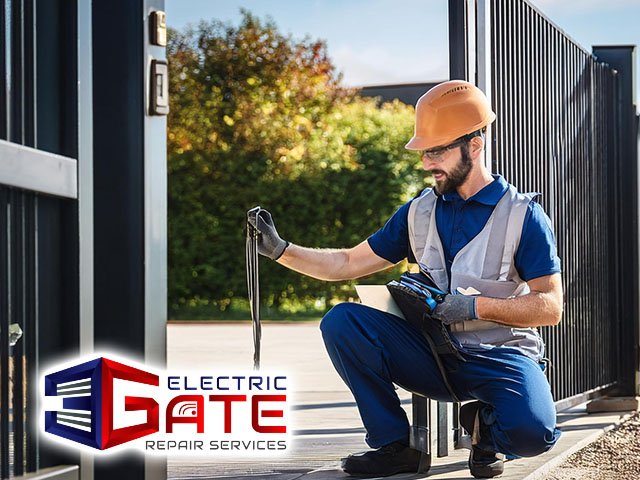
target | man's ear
[{"x": 476, "y": 146}]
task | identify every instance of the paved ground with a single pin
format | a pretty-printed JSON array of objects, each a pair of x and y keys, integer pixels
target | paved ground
[{"x": 325, "y": 419}]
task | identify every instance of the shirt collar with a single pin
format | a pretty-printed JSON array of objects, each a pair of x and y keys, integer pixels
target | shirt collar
[{"x": 489, "y": 195}]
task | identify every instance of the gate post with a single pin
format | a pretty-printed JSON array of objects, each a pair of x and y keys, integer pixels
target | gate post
[
  {"x": 130, "y": 205},
  {"x": 623, "y": 59}
]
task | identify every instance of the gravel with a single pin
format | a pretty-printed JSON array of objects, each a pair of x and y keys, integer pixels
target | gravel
[{"x": 614, "y": 456}]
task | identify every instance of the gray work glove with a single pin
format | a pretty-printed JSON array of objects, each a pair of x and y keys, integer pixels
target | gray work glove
[
  {"x": 456, "y": 308},
  {"x": 269, "y": 242}
]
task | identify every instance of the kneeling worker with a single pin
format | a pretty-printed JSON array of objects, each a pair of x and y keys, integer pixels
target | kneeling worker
[{"x": 472, "y": 232}]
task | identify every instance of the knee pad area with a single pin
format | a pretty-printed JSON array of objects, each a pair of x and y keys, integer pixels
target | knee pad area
[
  {"x": 529, "y": 440},
  {"x": 338, "y": 320}
]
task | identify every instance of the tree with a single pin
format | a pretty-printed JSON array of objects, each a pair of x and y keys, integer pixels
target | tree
[{"x": 258, "y": 118}]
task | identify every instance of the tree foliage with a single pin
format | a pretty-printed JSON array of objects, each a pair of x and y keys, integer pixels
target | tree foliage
[{"x": 258, "y": 118}]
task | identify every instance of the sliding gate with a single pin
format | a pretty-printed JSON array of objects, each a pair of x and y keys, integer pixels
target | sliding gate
[
  {"x": 82, "y": 204},
  {"x": 42, "y": 136},
  {"x": 558, "y": 132},
  {"x": 566, "y": 127}
]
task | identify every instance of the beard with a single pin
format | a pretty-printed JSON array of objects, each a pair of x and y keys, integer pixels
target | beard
[{"x": 458, "y": 174}]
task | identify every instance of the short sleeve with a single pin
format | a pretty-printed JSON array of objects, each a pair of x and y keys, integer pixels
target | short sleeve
[
  {"x": 391, "y": 242},
  {"x": 537, "y": 253}
]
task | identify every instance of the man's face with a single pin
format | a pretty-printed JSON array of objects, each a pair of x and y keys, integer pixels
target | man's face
[{"x": 451, "y": 170}]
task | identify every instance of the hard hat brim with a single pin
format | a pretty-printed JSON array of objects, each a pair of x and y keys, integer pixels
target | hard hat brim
[{"x": 425, "y": 143}]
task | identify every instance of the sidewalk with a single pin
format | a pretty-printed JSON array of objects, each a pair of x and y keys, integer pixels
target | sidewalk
[{"x": 326, "y": 421}]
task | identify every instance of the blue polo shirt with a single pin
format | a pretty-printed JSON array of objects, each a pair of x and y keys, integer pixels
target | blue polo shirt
[{"x": 459, "y": 221}]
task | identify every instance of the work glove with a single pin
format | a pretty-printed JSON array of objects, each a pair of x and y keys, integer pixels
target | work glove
[
  {"x": 456, "y": 308},
  {"x": 269, "y": 242}
]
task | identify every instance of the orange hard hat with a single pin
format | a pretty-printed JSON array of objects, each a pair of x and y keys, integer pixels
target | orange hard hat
[{"x": 448, "y": 111}]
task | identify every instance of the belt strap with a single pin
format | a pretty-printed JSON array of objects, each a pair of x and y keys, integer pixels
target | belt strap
[{"x": 439, "y": 340}]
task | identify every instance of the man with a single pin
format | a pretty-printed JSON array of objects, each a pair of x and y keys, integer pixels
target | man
[{"x": 494, "y": 251}]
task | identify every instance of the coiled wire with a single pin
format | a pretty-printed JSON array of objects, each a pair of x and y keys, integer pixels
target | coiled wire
[{"x": 253, "y": 285}]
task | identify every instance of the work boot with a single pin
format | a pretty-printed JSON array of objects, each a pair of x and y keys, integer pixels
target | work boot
[
  {"x": 393, "y": 458},
  {"x": 482, "y": 463}
]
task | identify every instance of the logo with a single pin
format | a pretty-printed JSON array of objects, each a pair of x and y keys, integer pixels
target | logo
[
  {"x": 103, "y": 403},
  {"x": 87, "y": 403}
]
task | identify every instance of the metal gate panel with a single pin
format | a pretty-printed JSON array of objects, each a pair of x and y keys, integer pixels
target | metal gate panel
[
  {"x": 555, "y": 106},
  {"x": 38, "y": 196},
  {"x": 566, "y": 127}
]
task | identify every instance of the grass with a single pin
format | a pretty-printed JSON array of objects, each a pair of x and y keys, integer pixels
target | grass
[{"x": 212, "y": 313}]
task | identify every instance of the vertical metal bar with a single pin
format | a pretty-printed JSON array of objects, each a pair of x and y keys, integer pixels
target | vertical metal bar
[
  {"x": 85, "y": 192},
  {"x": 443, "y": 417},
  {"x": 458, "y": 69},
  {"x": 154, "y": 189},
  {"x": 563, "y": 154},
  {"x": 3, "y": 72},
  {"x": 498, "y": 52},
  {"x": 30, "y": 338},
  {"x": 509, "y": 92},
  {"x": 5, "y": 268},
  {"x": 538, "y": 102},
  {"x": 484, "y": 57},
  {"x": 577, "y": 214},
  {"x": 17, "y": 74},
  {"x": 549, "y": 333},
  {"x": 573, "y": 212},
  {"x": 29, "y": 72},
  {"x": 563, "y": 340},
  {"x": 577, "y": 156},
  {"x": 574, "y": 373},
  {"x": 606, "y": 310},
  {"x": 85, "y": 175},
  {"x": 597, "y": 240},
  {"x": 527, "y": 165},
  {"x": 616, "y": 198},
  {"x": 458, "y": 45},
  {"x": 519, "y": 140},
  {"x": 18, "y": 303},
  {"x": 588, "y": 195},
  {"x": 420, "y": 435},
  {"x": 456, "y": 422},
  {"x": 610, "y": 311}
]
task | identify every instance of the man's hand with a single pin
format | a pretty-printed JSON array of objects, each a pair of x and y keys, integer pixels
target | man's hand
[
  {"x": 269, "y": 242},
  {"x": 456, "y": 308}
]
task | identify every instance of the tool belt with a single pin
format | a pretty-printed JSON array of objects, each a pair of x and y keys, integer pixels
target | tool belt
[{"x": 417, "y": 296}]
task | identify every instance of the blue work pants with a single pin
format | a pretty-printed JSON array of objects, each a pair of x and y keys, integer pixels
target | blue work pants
[{"x": 372, "y": 350}]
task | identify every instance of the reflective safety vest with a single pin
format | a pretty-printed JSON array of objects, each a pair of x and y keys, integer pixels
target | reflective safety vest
[{"x": 486, "y": 263}]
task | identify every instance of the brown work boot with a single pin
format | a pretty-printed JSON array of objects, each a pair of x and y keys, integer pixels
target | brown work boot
[{"x": 388, "y": 460}]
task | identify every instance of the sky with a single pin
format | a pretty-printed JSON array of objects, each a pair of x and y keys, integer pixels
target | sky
[{"x": 376, "y": 42}]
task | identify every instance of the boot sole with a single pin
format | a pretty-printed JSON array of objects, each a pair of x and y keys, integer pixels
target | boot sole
[
  {"x": 399, "y": 469},
  {"x": 486, "y": 471}
]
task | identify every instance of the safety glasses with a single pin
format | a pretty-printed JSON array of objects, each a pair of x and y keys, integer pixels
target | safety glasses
[{"x": 437, "y": 154}]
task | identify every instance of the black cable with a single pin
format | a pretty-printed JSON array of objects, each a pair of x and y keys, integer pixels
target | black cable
[{"x": 253, "y": 284}]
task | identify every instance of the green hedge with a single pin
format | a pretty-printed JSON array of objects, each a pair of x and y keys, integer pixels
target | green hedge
[{"x": 260, "y": 119}]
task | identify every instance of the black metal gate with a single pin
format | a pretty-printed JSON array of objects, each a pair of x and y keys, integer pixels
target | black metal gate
[
  {"x": 71, "y": 163},
  {"x": 557, "y": 132},
  {"x": 38, "y": 219},
  {"x": 566, "y": 127}
]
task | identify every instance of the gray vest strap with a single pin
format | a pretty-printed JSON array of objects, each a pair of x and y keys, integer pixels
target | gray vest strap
[
  {"x": 509, "y": 217},
  {"x": 423, "y": 207}
]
